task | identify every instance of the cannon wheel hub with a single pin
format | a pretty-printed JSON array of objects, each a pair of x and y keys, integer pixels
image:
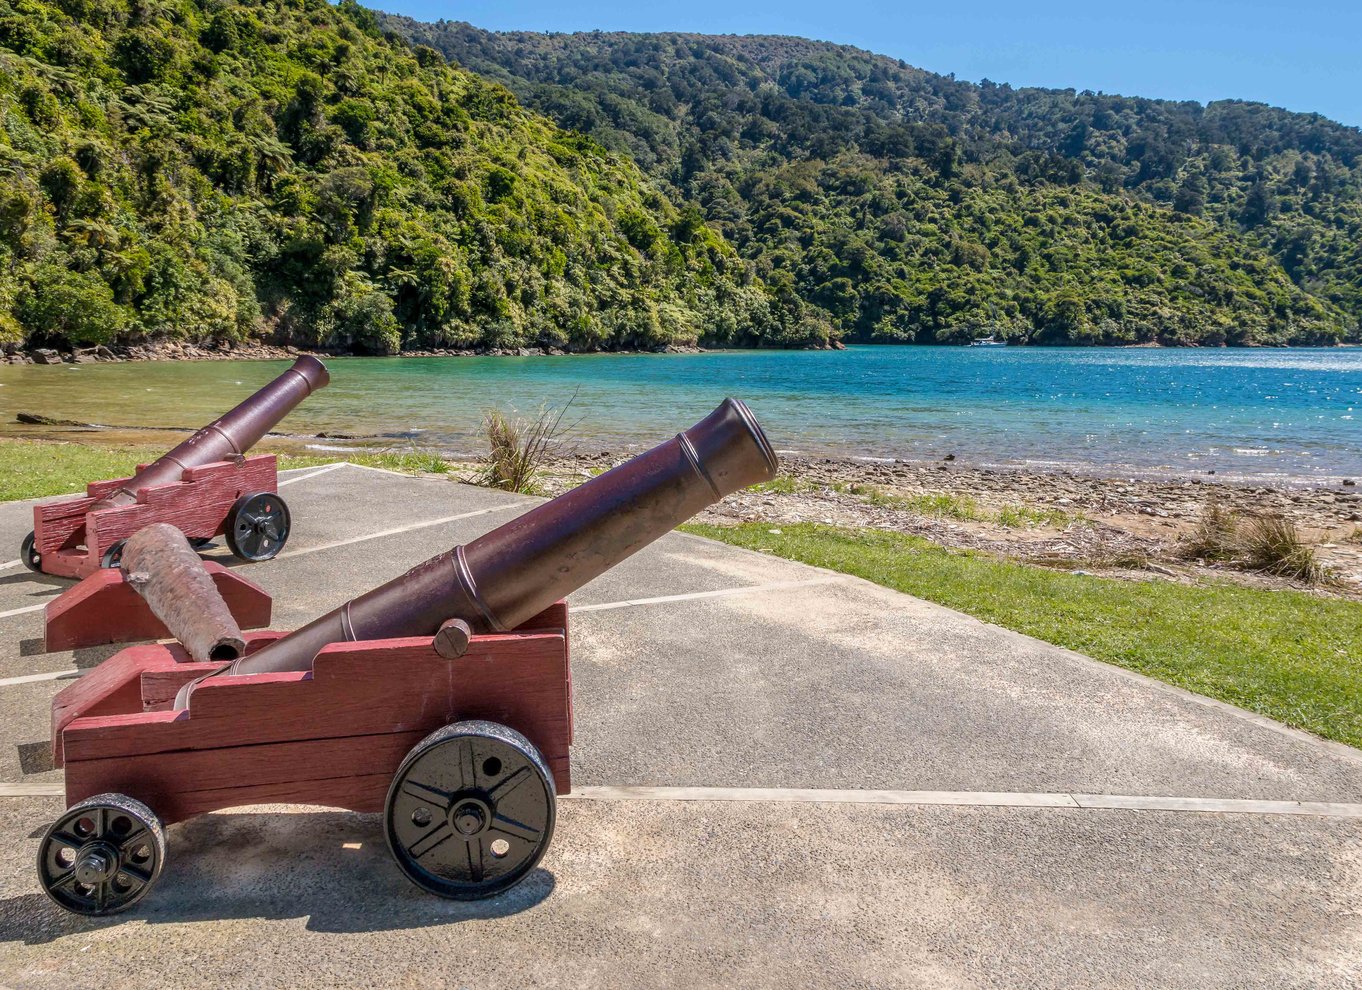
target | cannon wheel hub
[
  {"x": 258, "y": 526},
  {"x": 470, "y": 811},
  {"x": 102, "y": 856}
]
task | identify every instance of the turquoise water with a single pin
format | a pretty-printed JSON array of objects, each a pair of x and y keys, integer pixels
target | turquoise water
[{"x": 1267, "y": 414}]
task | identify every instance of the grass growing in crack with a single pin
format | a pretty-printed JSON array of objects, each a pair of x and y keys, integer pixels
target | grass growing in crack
[{"x": 1290, "y": 655}]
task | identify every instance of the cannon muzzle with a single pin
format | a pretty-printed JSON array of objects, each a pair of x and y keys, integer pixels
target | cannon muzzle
[
  {"x": 516, "y": 571},
  {"x": 231, "y": 435}
]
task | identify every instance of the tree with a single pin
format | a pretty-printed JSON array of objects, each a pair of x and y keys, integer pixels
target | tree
[{"x": 58, "y": 304}]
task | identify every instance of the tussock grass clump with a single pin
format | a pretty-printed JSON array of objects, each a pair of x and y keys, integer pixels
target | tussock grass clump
[
  {"x": 1273, "y": 545},
  {"x": 1267, "y": 544},
  {"x": 1216, "y": 537},
  {"x": 517, "y": 448}
]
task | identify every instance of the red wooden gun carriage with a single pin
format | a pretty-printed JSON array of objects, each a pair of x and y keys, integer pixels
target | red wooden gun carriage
[
  {"x": 206, "y": 487},
  {"x": 441, "y": 699},
  {"x": 463, "y": 755}
]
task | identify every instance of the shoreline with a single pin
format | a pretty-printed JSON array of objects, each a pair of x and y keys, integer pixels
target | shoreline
[
  {"x": 1118, "y": 525},
  {"x": 14, "y": 354},
  {"x": 35, "y": 426}
]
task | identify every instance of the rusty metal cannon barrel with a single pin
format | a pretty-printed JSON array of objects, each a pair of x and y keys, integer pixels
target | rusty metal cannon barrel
[
  {"x": 230, "y": 435},
  {"x": 516, "y": 571}
]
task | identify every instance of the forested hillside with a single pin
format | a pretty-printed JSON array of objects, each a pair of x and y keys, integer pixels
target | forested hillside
[
  {"x": 207, "y": 169},
  {"x": 910, "y": 206}
]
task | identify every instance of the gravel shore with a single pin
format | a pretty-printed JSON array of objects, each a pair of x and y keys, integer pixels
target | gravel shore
[{"x": 1133, "y": 527}]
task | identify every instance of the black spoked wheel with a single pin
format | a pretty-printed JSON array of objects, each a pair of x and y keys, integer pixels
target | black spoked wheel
[
  {"x": 113, "y": 556},
  {"x": 470, "y": 811},
  {"x": 28, "y": 553},
  {"x": 102, "y": 856},
  {"x": 257, "y": 526}
]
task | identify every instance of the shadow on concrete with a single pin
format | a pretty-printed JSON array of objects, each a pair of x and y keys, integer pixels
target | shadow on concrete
[
  {"x": 330, "y": 867},
  {"x": 84, "y": 658},
  {"x": 49, "y": 585},
  {"x": 35, "y": 757}
]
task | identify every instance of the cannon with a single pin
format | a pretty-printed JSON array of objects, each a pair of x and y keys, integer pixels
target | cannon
[
  {"x": 441, "y": 699},
  {"x": 205, "y": 487}
]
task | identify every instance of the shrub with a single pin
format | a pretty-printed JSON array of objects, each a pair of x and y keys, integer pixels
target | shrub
[
  {"x": 1265, "y": 543},
  {"x": 1215, "y": 536},
  {"x": 75, "y": 306},
  {"x": 518, "y": 447},
  {"x": 1273, "y": 545}
]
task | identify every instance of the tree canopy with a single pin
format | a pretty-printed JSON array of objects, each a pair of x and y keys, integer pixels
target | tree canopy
[
  {"x": 904, "y": 205},
  {"x": 210, "y": 170}
]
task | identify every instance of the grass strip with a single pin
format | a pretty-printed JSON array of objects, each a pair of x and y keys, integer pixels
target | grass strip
[
  {"x": 1292, "y": 656},
  {"x": 40, "y": 468}
]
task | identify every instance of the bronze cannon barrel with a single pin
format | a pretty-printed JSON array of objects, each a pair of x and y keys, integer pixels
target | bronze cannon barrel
[
  {"x": 516, "y": 571},
  {"x": 231, "y": 435}
]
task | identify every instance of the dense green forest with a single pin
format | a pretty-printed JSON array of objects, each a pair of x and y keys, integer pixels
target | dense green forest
[
  {"x": 213, "y": 170},
  {"x": 300, "y": 172},
  {"x": 906, "y": 205}
]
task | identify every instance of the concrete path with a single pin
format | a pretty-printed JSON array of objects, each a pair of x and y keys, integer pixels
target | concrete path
[{"x": 785, "y": 778}]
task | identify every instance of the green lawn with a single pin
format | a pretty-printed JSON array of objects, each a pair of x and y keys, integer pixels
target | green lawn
[
  {"x": 37, "y": 468},
  {"x": 1291, "y": 656}
]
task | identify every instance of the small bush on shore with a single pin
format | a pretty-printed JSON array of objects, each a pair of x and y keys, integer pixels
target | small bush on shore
[
  {"x": 1263, "y": 543},
  {"x": 517, "y": 448},
  {"x": 1215, "y": 538},
  {"x": 1273, "y": 545}
]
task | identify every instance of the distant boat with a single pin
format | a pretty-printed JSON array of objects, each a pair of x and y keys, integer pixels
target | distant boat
[{"x": 989, "y": 341}]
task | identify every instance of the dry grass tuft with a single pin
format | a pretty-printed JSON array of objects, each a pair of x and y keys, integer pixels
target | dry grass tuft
[
  {"x": 1216, "y": 536},
  {"x": 1273, "y": 545},
  {"x": 517, "y": 448},
  {"x": 1264, "y": 543}
]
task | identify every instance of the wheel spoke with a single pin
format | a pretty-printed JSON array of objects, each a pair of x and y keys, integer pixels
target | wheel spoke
[
  {"x": 134, "y": 838},
  {"x": 65, "y": 881},
  {"x": 65, "y": 839},
  {"x": 508, "y": 785},
  {"x": 515, "y": 829},
  {"x": 468, "y": 764},
  {"x": 475, "y": 869},
  {"x": 136, "y": 873},
  {"x": 428, "y": 794},
  {"x": 439, "y": 834}
]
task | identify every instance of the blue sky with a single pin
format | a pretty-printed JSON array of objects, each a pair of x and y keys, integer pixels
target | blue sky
[{"x": 1305, "y": 55}]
